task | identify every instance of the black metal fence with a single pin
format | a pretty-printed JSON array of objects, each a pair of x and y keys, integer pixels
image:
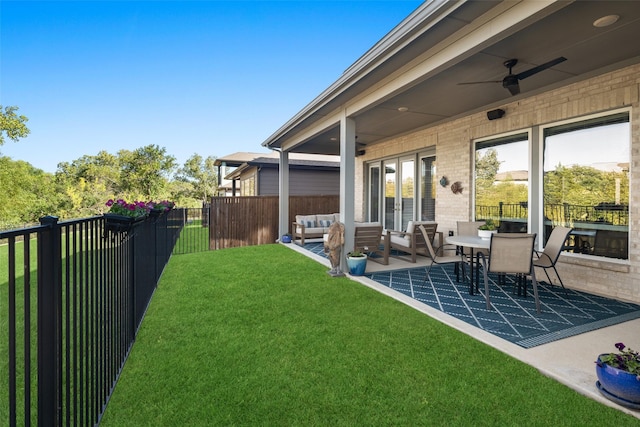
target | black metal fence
[
  {"x": 603, "y": 213},
  {"x": 73, "y": 295}
]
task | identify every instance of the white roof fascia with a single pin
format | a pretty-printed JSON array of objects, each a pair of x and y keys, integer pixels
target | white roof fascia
[{"x": 428, "y": 9}]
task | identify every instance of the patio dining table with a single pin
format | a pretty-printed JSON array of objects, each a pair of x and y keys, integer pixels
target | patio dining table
[{"x": 471, "y": 242}]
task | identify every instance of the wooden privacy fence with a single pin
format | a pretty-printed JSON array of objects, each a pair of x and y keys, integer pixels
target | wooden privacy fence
[{"x": 253, "y": 220}]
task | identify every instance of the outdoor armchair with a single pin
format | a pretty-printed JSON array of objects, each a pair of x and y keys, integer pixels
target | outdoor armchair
[
  {"x": 510, "y": 253},
  {"x": 549, "y": 256},
  {"x": 368, "y": 239},
  {"x": 411, "y": 241}
]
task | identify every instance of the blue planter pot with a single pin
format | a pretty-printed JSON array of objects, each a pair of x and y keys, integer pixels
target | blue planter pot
[
  {"x": 285, "y": 239},
  {"x": 357, "y": 265},
  {"x": 618, "y": 386}
]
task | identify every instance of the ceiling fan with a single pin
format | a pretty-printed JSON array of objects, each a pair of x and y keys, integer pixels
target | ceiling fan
[{"x": 511, "y": 80}]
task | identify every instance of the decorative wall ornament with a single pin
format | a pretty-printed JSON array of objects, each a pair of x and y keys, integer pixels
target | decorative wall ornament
[
  {"x": 444, "y": 181},
  {"x": 456, "y": 187}
]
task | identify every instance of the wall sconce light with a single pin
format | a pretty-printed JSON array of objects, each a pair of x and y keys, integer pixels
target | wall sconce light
[
  {"x": 495, "y": 114},
  {"x": 444, "y": 181}
]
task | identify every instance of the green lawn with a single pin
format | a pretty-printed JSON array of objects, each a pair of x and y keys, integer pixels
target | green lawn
[{"x": 263, "y": 336}]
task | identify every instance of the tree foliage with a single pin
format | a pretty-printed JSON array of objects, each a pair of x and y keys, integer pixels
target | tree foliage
[
  {"x": 199, "y": 178},
  {"x": 88, "y": 182},
  {"x": 31, "y": 193},
  {"x": 12, "y": 125},
  {"x": 145, "y": 172}
]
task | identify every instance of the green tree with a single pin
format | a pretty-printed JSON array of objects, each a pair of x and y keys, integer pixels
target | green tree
[
  {"x": 200, "y": 178},
  {"x": 88, "y": 182},
  {"x": 145, "y": 172},
  {"x": 12, "y": 125},
  {"x": 30, "y": 191},
  {"x": 487, "y": 167}
]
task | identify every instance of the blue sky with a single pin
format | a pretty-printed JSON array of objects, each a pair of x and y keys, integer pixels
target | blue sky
[{"x": 205, "y": 77}]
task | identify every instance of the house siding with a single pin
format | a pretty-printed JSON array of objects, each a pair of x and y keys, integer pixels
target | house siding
[
  {"x": 302, "y": 182},
  {"x": 454, "y": 153}
]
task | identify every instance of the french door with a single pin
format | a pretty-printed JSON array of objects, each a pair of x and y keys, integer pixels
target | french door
[
  {"x": 399, "y": 193},
  {"x": 400, "y": 190}
]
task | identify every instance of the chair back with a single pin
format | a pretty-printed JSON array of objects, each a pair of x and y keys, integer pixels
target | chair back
[
  {"x": 368, "y": 236},
  {"x": 556, "y": 242},
  {"x": 469, "y": 228},
  {"x": 511, "y": 253},
  {"x": 431, "y": 253}
]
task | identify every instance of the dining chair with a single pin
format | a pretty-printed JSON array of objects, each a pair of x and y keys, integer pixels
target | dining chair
[
  {"x": 470, "y": 228},
  {"x": 549, "y": 256},
  {"x": 510, "y": 253},
  {"x": 438, "y": 259}
]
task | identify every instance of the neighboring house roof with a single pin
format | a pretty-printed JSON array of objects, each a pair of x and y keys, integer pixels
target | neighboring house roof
[
  {"x": 239, "y": 158},
  {"x": 299, "y": 164},
  {"x": 411, "y": 78},
  {"x": 512, "y": 176}
]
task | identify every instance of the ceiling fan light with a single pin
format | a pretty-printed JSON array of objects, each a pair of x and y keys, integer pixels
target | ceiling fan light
[{"x": 605, "y": 21}]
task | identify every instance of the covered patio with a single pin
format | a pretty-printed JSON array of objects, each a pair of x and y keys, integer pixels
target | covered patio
[{"x": 410, "y": 118}]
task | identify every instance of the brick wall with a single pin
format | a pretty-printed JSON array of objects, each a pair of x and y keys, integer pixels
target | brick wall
[{"x": 454, "y": 150}]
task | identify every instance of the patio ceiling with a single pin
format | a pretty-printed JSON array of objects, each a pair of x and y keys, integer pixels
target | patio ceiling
[{"x": 432, "y": 94}]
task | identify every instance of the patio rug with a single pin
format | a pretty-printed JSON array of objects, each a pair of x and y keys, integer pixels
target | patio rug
[{"x": 514, "y": 317}]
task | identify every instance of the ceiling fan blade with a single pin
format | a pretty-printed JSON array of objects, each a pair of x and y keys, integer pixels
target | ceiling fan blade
[
  {"x": 476, "y": 83},
  {"x": 530, "y": 72}
]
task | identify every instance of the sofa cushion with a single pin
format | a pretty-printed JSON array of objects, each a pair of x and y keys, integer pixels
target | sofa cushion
[
  {"x": 309, "y": 221},
  {"x": 325, "y": 221},
  {"x": 319, "y": 231},
  {"x": 398, "y": 240}
]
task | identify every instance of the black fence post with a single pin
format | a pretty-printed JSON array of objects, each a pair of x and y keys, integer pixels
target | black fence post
[{"x": 49, "y": 300}]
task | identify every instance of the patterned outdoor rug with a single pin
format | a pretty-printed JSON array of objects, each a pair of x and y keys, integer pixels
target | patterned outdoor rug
[{"x": 514, "y": 317}]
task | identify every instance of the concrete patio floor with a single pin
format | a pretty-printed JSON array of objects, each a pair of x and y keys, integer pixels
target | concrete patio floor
[{"x": 571, "y": 361}]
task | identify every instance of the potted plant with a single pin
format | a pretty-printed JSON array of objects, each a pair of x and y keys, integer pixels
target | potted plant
[
  {"x": 357, "y": 262},
  {"x": 619, "y": 376},
  {"x": 286, "y": 238},
  {"x": 485, "y": 231}
]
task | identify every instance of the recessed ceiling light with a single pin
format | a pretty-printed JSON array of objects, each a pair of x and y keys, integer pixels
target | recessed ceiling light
[
  {"x": 605, "y": 21},
  {"x": 333, "y": 138},
  {"x": 403, "y": 109}
]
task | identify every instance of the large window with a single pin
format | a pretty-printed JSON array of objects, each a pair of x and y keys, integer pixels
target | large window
[
  {"x": 586, "y": 183},
  {"x": 502, "y": 181},
  {"x": 575, "y": 174},
  {"x": 427, "y": 189}
]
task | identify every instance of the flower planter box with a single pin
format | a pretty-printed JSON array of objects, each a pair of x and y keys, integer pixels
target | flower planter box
[{"x": 116, "y": 223}]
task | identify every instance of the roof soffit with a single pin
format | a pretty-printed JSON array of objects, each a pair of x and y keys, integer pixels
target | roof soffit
[{"x": 396, "y": 69}]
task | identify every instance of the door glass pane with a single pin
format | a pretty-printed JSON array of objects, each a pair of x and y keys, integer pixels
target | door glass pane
[
  {"x": 586, "y": 184},
  {"x": 502, "y": 182},
  {"x": 374, "y": 193},
  {"x": 427, "y": 189},
  {"x": 407, "y": 192},
  {"x": 389, "y": 195}
]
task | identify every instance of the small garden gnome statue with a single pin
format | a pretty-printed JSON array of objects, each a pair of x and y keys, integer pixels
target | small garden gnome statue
[{"x": 333, "y": 247}]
